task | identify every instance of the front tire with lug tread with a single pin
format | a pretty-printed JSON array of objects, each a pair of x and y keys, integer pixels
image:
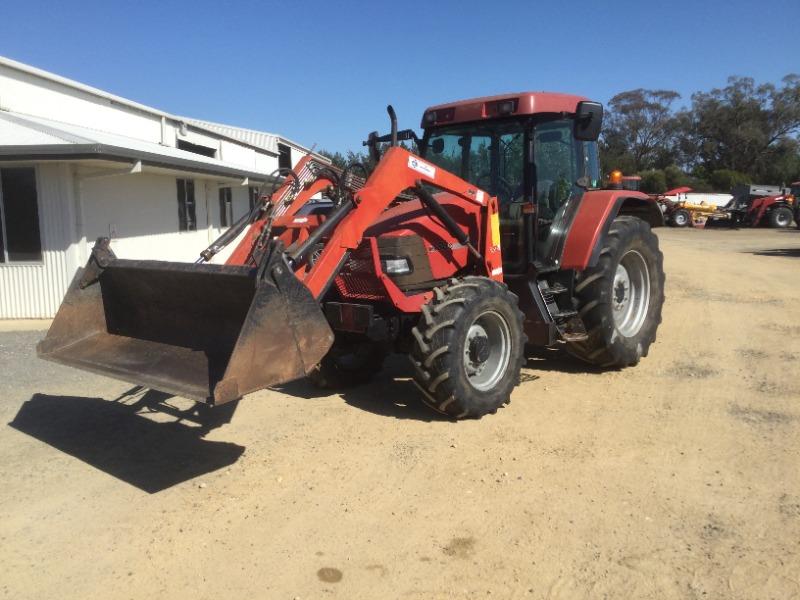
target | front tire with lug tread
[
  {"x": 780, "y": 217},
  {"x": 469, "y": 347},
  {"x": 620, "y": 298},
  {"x": 681, "y": 218}
]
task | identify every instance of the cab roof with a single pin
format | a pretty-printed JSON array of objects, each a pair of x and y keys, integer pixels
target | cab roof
[{"x": 489, "y": 107}]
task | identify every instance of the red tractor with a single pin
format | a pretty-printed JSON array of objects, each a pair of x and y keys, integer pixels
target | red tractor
[
  {"x": 756, "y": 206},
  {"x": 496, "y": 235}
]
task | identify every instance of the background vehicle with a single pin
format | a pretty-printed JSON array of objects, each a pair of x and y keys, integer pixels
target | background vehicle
[
  {"x": 494, "y": 236},
  {"x": 756, "y": 206}
]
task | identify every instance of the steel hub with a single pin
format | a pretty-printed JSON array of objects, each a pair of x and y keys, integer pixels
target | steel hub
[
  {"x": 487, "y": 350},
  {"x": 782, "y": 220},
  {"x": 630, "y": 293}
]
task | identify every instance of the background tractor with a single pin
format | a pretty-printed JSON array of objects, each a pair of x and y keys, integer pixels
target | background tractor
[
  {"x": 495, "y": 235},
  {"x": 756, "y": 206}
]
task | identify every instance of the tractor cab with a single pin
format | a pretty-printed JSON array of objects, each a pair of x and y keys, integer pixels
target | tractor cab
[{"x": 536, "y": 152}]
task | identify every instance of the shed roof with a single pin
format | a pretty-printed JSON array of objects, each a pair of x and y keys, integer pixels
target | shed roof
[
  {"x": 267, "y": 141},
  {"x": 34, "y": 138}
]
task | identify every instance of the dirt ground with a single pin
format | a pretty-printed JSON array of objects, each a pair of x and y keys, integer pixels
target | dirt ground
[{"x": 679, "y": 478}]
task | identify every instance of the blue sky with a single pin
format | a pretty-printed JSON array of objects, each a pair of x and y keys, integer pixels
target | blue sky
[{"x": 323, "y": 72}]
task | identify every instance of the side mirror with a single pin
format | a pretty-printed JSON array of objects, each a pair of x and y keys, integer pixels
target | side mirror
[
  {"x": 437, "y": 147},
  {"x": 588, "y": 121}
]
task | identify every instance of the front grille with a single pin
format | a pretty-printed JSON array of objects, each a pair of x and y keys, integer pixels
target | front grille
[{"x": 357, "y": 279}]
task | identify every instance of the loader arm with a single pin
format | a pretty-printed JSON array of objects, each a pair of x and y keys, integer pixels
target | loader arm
[
  {"x": 397, "y": 171},
  {"x": 282, "y": 206}
]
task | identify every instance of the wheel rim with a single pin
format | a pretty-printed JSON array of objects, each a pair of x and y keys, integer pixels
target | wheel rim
[
  {"x": 630, "y": 293},
  {"x": 680, "y": 219},
  {"x": 487, "y": 350},
  {"x": 782, "y": 219}
]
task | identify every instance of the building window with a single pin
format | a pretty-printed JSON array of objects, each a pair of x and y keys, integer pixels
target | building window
[
  {"x": 187, "y": 217},
  {"x": 284, "y": 156},
  {"x": 20, "y": 240},
  {"x": 253, "y": 194},
  {"x": 225, "y": 207},
  {"x": 197, "y": 149}
]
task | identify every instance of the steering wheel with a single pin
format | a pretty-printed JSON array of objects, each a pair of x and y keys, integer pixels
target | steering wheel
[{"x": 504, "y": 191}]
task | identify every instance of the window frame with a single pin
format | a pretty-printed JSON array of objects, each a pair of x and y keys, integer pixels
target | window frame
[
  {"x": 182, "y": 202},
  {"x": 253, "y": 196},
  {"x": 4, "y": 261},
  {"x": 284, "y": 152},
  {"x": 225, "y": 207}
]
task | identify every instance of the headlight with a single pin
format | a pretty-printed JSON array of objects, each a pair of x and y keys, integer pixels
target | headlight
[{"x": 395, "y": 266}]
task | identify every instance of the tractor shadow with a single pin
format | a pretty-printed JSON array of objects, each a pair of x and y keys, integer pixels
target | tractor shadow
[
  {"x": 785, "y": 252},
  {"x": 391, "y": 393},
  {"x": 116, "y": 438},
  {"x": 556, "y": 360}
]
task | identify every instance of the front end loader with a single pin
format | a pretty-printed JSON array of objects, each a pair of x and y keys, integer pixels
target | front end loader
[{"x": 494, "y": 236}]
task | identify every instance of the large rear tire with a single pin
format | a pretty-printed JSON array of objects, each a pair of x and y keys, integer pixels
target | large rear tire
[
  {"x": 620, "y": 299},
  {"x": 469, "y": 347}
]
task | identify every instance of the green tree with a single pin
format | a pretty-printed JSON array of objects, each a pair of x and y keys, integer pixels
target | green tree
[
  {"x": 640, "y": 130},
  {"x": 653, "y": 181},
  {"x": 724, "y": 180},
  {"x": 337, "y": 158},
  {"x": 674, "y": 177},
  {"x": 743, "y": 127}
]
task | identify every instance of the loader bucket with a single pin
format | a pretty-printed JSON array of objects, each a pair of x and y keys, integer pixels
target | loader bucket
[{"x": 211, "y": 333}]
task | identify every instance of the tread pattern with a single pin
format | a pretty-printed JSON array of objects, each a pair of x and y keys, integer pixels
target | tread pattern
[
  {"x": 603, "y": 346},
  {"x": 436, "y": 355}
]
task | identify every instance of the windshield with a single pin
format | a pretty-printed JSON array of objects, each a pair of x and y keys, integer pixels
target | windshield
[{"x": 488, "y": 155}]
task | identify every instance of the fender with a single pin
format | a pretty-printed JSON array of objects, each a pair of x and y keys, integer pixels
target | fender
[
  {"x": 760, "y": 206},
  {"x": 597, "y": 210}
]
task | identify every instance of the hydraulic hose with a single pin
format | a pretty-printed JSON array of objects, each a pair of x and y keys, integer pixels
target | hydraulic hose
[
  {"x": 339, "y": 213},
  {"x": 428, "y": 200},
  {"x": 237, "y": 228}
]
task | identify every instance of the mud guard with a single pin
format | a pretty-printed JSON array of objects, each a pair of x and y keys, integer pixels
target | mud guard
[{"x": 597, "y": 211}]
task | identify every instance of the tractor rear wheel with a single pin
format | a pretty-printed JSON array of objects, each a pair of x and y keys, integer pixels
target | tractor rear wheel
[
  {"x": 348, "y": 363},
  {"x": 681, "y": 218},
  {"x": 780, "y": 217},
  {"x": 469, "y": 347},
  {"x": 620, "y": 298}
]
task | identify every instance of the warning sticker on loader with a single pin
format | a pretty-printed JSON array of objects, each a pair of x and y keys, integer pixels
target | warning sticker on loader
[
  {"x": 495, "y": 223},
  {"x": 421, "y": 167}
]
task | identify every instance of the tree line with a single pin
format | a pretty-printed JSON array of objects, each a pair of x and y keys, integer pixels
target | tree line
[{"x": 741, "y": 133}]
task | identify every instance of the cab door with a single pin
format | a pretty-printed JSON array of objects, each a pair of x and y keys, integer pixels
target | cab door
[{"x": 559, "y": 160}]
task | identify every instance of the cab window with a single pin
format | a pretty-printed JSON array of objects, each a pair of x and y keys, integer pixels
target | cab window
[
  {"x": 558, "y": 161},
  {"x": 489, "y": 155}
]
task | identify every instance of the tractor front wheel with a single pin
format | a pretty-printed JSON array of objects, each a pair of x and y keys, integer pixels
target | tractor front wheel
[
  {"x": 681, "y": 218},
  {"x": 469, "y": 347},
  {"x": 780, "y": 218},
  {"x": 620, "y": 298}
]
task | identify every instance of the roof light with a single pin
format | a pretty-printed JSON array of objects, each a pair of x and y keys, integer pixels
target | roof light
[
  {"x": 506, "y": 107},
  {"x": 615, "y": 178}
]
